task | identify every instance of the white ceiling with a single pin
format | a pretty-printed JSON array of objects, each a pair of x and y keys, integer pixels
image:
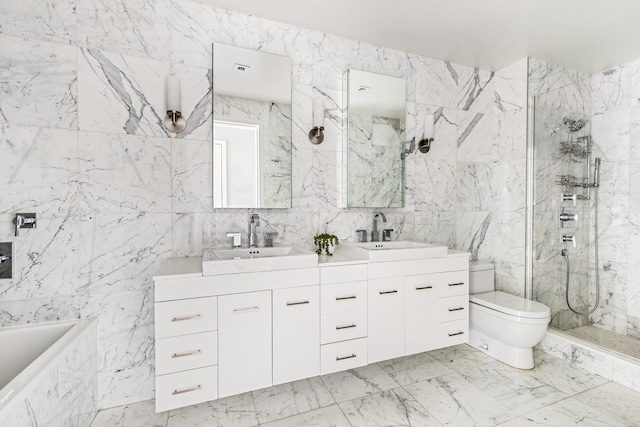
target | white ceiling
[{"x": 588, "y": 35}]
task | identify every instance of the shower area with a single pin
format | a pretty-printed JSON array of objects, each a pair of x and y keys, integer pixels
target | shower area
[{"x": 582, "y": 258}]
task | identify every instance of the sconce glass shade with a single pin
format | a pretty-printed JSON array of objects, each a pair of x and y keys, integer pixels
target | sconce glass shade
[
  {"x": 316, "y": 134},
  {"x": 174, "y": 121},
  {"x": 428, "y": 133}
]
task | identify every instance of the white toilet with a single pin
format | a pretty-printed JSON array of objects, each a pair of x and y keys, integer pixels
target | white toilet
[{"x": 502, "y": 325}]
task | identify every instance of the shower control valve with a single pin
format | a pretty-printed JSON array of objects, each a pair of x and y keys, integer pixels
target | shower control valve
[
  {"x": 573, "y": 198},
  {"x": 567, "y": 238}
]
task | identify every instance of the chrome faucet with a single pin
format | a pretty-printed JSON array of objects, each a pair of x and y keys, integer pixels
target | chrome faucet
[
  {"x": 253, "y": 234},
  {"x": 375, "y": 234}
]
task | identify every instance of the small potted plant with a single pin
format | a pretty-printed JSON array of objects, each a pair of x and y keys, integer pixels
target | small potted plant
[{"x": 325, "y": 243}]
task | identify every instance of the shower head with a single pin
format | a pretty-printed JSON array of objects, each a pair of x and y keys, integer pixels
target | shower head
[{"x": 574, "y": 125}]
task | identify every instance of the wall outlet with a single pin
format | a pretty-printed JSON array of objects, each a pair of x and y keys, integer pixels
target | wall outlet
[{"x": 6, "y": 260}]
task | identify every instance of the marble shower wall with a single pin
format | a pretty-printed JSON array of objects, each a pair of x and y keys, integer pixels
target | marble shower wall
[{"x": 82, "y": 144}]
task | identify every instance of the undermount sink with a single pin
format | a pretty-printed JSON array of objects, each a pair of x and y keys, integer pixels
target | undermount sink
[
  {"x": 245, "y": 260},
  {"x": 396, "y": 250}
]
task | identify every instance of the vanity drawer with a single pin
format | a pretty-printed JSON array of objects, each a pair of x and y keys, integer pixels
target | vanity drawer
[
  {"x": 343, "y": 273},
  {"x": 186, "y": 352},
  {"x": 343, "y": 326},
  {"x": 453, "y": 283},
  {"x": 187, "y": 316},
  {"x": 343, "y": 355},
  {"x": 453, "y": 308},
  {"x": 186, "y": 388},
  {"x": 452, "y": 333},
  {"x": 340, "y": 297}
]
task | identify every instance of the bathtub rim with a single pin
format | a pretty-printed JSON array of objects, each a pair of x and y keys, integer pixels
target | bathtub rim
[{"x": 21, "y": 386}]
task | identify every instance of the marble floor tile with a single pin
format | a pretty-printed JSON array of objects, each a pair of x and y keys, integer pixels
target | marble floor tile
[
  {"x": 568, "y": 412},
  {"x": 459, "y": 357},
  {"x": 514, "y": 388},
  {"x": 456, "y": 402},
  {"x": 289, "y": 399},
  {"x": 563, "y": 376},
  {"x": 237, "y": 411},
  {"x": 359, "y": 382},
  {"x": 413, "y": 369},
  {"x": 329, "y": 416},
  {"x": 388, "y": 408},
  {"x": 132, "y": 415},
  {"x": 615, "y": 400}
]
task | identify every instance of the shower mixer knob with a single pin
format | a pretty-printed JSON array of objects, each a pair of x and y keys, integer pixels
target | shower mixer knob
[{"x": 567, "y": 238}]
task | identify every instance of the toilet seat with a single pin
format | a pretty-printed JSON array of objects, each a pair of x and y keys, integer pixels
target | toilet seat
[{"x": 511, "y": 305}]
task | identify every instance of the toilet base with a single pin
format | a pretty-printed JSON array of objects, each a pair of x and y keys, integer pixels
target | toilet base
[{"x": 521, "y": 358}]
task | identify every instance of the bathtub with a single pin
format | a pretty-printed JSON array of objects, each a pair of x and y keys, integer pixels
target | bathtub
[{"x": 48, "y": 373}]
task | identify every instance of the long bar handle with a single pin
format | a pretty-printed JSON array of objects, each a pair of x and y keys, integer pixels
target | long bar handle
[
  {"x": 456, "y": 309},
  {"x": 191, "y": 353},
  {"x": 456, "y": 284},
  {"x": 246, "y": 309},
  {"x": 456, "y": 333},
  {"x": 180, "y": 319},
  {"x": 388, "y": 292},
  {"x": 419, "y": 288},
  {"x": 298, "y": 302},
  {"x": 343, "y": 298},
  {"x": 345, "y": 327},
  {"x": 345, "y": 357},
  {"x": 187, "y": 390}
]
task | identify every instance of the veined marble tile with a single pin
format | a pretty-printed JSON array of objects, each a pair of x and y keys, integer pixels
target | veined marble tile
[
  {"x": 477, "y": 137},
  {"x": 329, "y": 416},
  {"x": 512, "y": 134},
  {"x": 460, "y": 357},
  {"x": 615, "y": 400},
  {"x": 192, "y": 176},
  {"x": 131, "y": 27},
  {"x": 413, "y": 369},
  {"x": 134, "y": 414},
  {"x": 126, "y": 370},
  {"x": 191, "y": 233},
  {"x": 494, "y": 186},
  {"x": 289, "y": 399},
  {"x": 236, "y": 410},
  {"x": 476, "y": 90},
  {"x": 388, "y": 408},
  {"x": 121, "y": 252},
  {"x": 613, "y": 232},
  {"x": 610, "y": 136},
  {"x": 511, "y": 86},
  {"x": 302, "y": 179},
  {"x": 544, "y": 76},
  {"x": 627, "y": 373},
  {"x": 38, "y": 81},
  {"x": 37, "y": 310},
  {"x": 121, "y": 94},
  {"x": 124, "y": 173},
  {"x": 565, "y": 413},
  {"x": 435, "y": 227},
  {"x": 436, "y": 81},
  {"x": 590, "y": 359},
  {"x": 518, "y": 391},
  {"x": 53, "y": 21},
  {"x": 454, "y": 401},
  {"x": 196, "y": 85},
  {"x": 431, "y": 183},
  {"x": 38, "y": 169},
  {"x": 494, "y": 235},
  {"x": 611, "y": 90},
  {"x": 359, "y": 382}
]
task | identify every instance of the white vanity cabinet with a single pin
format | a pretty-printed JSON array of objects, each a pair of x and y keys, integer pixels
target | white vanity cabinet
[{"x": 386, "y": 318}]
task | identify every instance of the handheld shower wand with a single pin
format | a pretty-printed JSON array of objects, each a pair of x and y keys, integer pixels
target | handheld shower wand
[{"x": 596, "y": 172}]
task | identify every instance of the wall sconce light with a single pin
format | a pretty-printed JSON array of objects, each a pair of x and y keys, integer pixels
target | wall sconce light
[
  {"x": 174, "y": 120},
  {"x": 427, "y": 138},
  {"x": 316, "y": 134}
]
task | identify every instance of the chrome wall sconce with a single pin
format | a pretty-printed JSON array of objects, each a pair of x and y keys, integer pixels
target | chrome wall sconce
[
  {"x": 174, "y": 121},
  {"x": 427, "y": 137},
  {"x": 316, "y": 134}
]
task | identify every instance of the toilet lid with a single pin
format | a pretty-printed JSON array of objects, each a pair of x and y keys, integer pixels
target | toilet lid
[{"x": 511, "y": 304}]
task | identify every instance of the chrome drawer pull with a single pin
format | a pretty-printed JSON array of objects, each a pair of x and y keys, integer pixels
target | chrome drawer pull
[
  {"x": 388, "y": 292},
  {"x": 345, "y": 357},
  {"x": 419, "y": 288},
  {"x": 456, "y": 284},
  {"x": 456, "y": 309},
  {"x": 343, "y": 298},
  {"x": 345, "y": 327},
  {"x": 191, "y": 353},
  {"x": 456, "y": 333},
  {"x": 298, "y": 302},
  {"x": 180, "y": 319},
  {"x": 187, "y": 390},
  {"x": 246, "y": 309}
]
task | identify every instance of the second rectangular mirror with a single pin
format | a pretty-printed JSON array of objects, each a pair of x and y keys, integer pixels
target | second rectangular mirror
[{"x": 374, "y": 140}]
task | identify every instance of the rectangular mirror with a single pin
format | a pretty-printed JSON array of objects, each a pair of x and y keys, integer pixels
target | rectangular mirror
[
  {"x": 374, "y": 140},
  {"x": 251, "y": 129}
]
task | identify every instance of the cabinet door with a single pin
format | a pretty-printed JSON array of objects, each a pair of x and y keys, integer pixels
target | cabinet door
[
  {"x": 421, "y": 313},
  {"x": 296, "y": 333},
  {"x": 244, "y": 342},
  {"x": 386, "y": 319}
]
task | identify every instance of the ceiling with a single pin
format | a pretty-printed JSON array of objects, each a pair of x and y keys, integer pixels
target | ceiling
[{"x": 587, "y": 35}]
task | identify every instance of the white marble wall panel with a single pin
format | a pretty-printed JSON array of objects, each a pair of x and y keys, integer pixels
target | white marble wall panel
[
  {"x": 477, "y": 136},
  {"x": 38, "y": 82},
  {"x": 196, "y": 85},
  {"x": 51, "y": 20},
  {"x": 36, "y": 310},
  {"x": 192, "y": 180},
  {"x": 476, "y": 90},
  {"x": 436, "y": 81},
  {"x": 191, "y": 233},
  {"x": 611, "y": 90}
]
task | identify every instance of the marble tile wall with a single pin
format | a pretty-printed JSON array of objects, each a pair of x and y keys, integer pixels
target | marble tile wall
[{"x": 84, "y": 147}]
